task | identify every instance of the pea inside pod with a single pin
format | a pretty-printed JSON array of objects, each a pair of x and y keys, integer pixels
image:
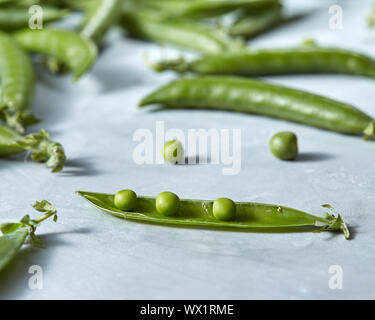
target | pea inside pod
[
  {"x": 125, "y": 199},
  {"x": 167, "y": 203},
  {"x": 224, "y": 209}
]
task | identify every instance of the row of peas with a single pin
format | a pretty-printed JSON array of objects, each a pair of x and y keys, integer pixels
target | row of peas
[{"x": 168, "y": 204}]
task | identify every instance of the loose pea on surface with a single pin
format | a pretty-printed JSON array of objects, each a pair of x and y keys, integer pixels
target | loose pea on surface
[
  {"x": 284, "y": 145},
  {"x": 167, "y": 203},
  {"x": 173, "y": 151},
  {"x": 125, "y": 199},
  {"x": 224, "y": 209}
]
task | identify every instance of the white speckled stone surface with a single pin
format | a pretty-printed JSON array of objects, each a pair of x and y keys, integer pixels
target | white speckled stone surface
[{"x": 89, "y": 255}]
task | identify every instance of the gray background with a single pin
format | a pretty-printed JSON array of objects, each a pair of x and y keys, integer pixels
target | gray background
[{"x": 89, "y": 255}]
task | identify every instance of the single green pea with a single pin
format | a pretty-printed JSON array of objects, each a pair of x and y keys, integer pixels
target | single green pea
[
  {"x": 173, "y": 151},
  {"x": 167, "y": 203},
  {"x": 224, "y": 209},
  {"x": 125, "y": 200},
  {"x": 284, "y": 145}
]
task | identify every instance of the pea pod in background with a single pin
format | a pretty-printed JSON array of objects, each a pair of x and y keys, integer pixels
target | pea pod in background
[
  {"x": 39, "y": 144},
  {"x": 75, "y": 51},
  {"x": 250, "y": 216},
  {"x": 259, "y": 97},
  {"x": 16, "y": 234},
  {"x": 203, "y": 8},
  {"x": 13, "y": 18},
  {"x": 17, "y": 84},
  {"x": 181, "y": 33},
  {"x": 259, "y": 62},
  {"x": 249, "y": 24},
  {"x": 100, "y": 18}
]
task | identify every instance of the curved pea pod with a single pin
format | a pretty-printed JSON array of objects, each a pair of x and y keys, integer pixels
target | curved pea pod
[
  {"x": 181, "y": 33},
  {"x": 204, "y": 8},
  {"x": 250, "y": 216},
  {"x": 77, "y": 52},
  {"x": 15, "y": 234},
  {"x": 100, "y": 18},
  {"x": 39, "y": 144},
  {"x": 17, "y": 84},
  {"x": 13, "y": 18},
  {"x": 297, "y": 60},
  {"x": 259, "y": 97}
]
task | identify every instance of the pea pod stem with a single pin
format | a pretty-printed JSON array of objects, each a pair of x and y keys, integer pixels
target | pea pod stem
[
  {"x": 259, "y": 62},
  {"x": 250, "y": 216},
  {"x": 259, "y": 97},
  {"x": 39, "y": 144}
]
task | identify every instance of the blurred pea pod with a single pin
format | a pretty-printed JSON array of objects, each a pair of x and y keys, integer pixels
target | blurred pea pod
[
  {"x": 249, "y": 24},
  {"x": 187, "y": 34},
  {"x": 13, "y": 18},
  {"x": 17, "y": 84},
  {"x": 202, "y": 8},
  {"x": 100, "y": 18}
]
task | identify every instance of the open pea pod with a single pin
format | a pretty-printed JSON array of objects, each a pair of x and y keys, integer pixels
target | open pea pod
[{"x": 250, "y": 216}]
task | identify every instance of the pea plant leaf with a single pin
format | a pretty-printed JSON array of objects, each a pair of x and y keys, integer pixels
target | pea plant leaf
[
  {"x": 16, "y": 234},
  {"x": 10, "y": 244}
]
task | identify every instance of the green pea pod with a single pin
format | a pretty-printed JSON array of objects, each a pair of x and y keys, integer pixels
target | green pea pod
[
  {"x": 15, "y": 234},
  {"x": 13, "y": 18},
  {"x": 298, "y": 60},
  {"x": 17, "y": 84},
  {"x": 39, "y": 144},
  {"x": 181, "y": 33},
  {"x": 77, "y": 52},
  {"x": 259, "y": 97},
  {"x": 249, "y": 24},
  {"x": 101, "y": 18},
  {"x": 203, "y": 8},
  {"x": 250, "y": 216}
]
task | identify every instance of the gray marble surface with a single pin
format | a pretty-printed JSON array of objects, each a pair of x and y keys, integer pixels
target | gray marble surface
[{"x": 89, "y": 255}]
